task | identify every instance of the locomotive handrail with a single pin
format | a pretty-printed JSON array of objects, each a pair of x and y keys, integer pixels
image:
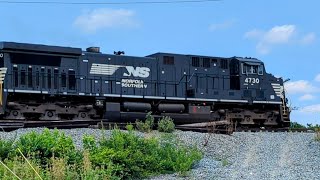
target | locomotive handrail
[{"x": 191, "y": 77}]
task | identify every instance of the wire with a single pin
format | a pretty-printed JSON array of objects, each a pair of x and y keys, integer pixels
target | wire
[{"x": 107, "y": 3}]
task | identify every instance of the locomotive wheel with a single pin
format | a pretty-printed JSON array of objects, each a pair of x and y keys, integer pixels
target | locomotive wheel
[
  {"x": 82, "y": 116},
  {"x": 49, "y": 115},
  {"x": 16, "y": 115}
]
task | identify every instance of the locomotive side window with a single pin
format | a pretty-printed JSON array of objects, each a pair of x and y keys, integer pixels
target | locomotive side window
[
  {"x": 252, "y": 69},
  {"x": 169, "y": 60},
  {"x": 72, "y": 79},
  {"x": 260, "y": 70}
]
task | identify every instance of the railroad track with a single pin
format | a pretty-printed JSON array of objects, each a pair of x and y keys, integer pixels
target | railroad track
[
  {"x": 9, "y": 125},
  {"x": 211, "y": 127}
]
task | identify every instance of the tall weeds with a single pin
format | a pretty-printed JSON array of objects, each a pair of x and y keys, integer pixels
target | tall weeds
[{"x": 52, "y": 155}]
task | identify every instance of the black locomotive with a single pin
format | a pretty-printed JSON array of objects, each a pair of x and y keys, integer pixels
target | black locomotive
[{"x": 40, "y": 82}]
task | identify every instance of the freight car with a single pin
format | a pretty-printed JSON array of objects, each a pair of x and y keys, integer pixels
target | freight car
[{"x": 41, "y": 82}]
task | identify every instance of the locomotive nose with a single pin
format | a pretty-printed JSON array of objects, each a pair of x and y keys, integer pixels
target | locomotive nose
[{"x": 3, "y": 71}]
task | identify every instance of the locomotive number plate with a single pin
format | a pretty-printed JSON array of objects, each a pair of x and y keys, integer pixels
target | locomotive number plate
[{"x": 252, "y": 80}]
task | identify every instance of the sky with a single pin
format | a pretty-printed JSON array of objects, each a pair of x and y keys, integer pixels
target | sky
[{"x": 283, "y": 34}]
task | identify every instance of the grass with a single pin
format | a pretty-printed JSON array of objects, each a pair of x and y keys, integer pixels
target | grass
[{"x": 52, "y": 155}]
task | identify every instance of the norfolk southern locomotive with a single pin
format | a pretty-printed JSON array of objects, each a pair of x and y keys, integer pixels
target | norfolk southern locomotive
[{"x": 40, "y": 82}]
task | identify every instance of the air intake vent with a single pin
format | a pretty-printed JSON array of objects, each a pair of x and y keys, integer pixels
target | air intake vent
[{"x": 93, "y": 49}]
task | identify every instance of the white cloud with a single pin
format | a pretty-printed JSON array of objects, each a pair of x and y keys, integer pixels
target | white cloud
[
  {"x": 317, "y": 78},
  {"x": 221, "y": 26},
  {"x": 253, "y": 34},
  {"x": 311, "y": 109},
  {"x": 308, "y": 39},
  {"x": 277, "y": 35},
  {"x": 97, "y": 19},
  {"x": 300, "y": 86},
  {"x": 307, "y": 97}
]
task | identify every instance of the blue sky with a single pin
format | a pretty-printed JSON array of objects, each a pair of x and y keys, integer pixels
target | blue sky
[{"x": 284, "y": 34}]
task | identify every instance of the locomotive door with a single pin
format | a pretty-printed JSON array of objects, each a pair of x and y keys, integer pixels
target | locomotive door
[
  {"x": 168, "y": 81},
  {"x": 234, "y": 75},
  {"x": 83, "y": 82}
]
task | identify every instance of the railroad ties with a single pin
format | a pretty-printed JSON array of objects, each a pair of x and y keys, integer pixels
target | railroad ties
[
  {"x": 219, "y": 127},
  {"x": 10, "y": 125}
]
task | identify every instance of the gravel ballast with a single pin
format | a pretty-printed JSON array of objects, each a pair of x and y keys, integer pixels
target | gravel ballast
[{"x": 242, "y": 155}]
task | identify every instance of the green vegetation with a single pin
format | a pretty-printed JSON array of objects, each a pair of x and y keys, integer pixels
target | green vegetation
[
  {"x": 315, "y": 128},
  {"x": 309, "y": 126},
  {"x": 124, "y": 155},
  {"x": 147, "y": 125},
  {"x": 166, "y": 125},
  {"x": 224, "y": 162},
  {"x": 296, "y": 125}
]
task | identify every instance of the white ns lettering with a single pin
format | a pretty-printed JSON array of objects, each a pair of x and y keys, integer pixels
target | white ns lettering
[{"x": 137, "y": 72}]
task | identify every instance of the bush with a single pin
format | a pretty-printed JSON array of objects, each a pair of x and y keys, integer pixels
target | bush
[
  {"x": 5, "y": 148},
  {"x": 296, "y": 125},
  {"x": 122, "y": 156},
  {"x": 47, "y": 144},
  {"x": 166, "y": 125},
  {"x": 146, "y": 126},
  {"x": 126, "y": 155}
]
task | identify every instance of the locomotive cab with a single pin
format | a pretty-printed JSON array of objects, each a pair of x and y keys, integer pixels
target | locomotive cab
[{"x": 252, "y": 77}]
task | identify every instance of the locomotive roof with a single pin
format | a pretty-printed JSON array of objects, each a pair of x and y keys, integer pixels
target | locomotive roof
[
  {"x": 60, "y": 50},
  {"x": 26, "y": 47},
  {"x": 245, "y": 59}
]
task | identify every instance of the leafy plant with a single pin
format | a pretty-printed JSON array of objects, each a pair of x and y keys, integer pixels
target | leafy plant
[
  {"x": 124, "y": 155},
  {"x": 129, "y": 127},
  {"x": 296, "y": 125},
  {"x": 147, "y": 125},
  {"x": 166, "y": 125},
  {"x": 48, "y": 144},
  {"x": 5, "y": 148},
  {"x": 127, "y": 155}
]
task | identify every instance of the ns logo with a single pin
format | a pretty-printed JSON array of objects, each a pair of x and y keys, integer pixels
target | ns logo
[
  {"x": 109, "y": 69},
  {"x": 142, "y": 72}
]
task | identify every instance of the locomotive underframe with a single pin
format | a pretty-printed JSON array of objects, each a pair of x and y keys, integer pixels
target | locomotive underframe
[{"x": 46, "y": 107}]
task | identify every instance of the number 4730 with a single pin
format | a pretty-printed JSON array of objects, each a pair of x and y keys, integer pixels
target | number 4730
[{"x": 252, "y": 80}]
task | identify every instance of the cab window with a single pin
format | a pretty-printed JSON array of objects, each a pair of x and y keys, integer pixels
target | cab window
[{"x": 252, "y": 69}]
